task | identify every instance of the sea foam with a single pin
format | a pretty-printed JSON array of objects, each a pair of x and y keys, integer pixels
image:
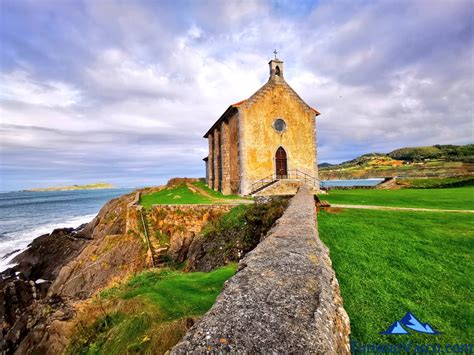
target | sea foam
[{"x": 12, "y": 244}]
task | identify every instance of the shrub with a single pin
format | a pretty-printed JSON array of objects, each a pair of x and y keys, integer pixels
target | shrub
[{"x": 233, "y": 235}]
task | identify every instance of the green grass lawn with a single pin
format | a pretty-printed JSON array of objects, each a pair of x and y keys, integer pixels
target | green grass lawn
[
  {"x": 439, "y": 182},
  {"x": 217, "y": 194},
  {"x": 391, "y": 262},
  {"x": 449, "y": 199},
  {"x": 176, "y": 293},
  {"x": 148, "y": 314},
  {"x": 171, "y": 196},
  {"x": 181, "y": 194}
]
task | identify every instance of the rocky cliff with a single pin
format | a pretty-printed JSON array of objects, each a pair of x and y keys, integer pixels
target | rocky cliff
[{"x": 39, "y": 295}]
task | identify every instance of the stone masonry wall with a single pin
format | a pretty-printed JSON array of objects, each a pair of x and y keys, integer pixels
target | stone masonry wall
[
  {"x": 181, "y": 223},
  {"x": 277, "y": 100},
  {"x": 284, "y": 299},
  {"x": 234, "y": 155},
  {"x": 133, "y": 223},
  {"x": 216, "y": 159},
  {"x": 225, "y": 155},
  {"x": 210, "y": 163}
]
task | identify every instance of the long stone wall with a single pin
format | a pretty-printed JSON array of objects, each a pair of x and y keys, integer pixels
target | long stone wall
[{"x": 284, "y": 299}]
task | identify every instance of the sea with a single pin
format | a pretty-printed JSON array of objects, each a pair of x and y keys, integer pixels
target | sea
[
  {"x": 27, "y": 215},
  {"x": 352, "y": 182}
]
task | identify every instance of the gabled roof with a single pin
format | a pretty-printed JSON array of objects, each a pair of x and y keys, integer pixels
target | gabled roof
[
  {"x": 233, "y": 108},
  {"x": 227, "y": 113}
]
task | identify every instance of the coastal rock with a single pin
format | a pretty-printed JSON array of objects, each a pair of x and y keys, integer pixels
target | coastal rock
[
  {"x": 48, "y": 253},
  {"x": 111, "y": 255},
  {"x": 102, "y": 262},
  {"x": 37, "y": 296},
  {"x": 24, "y": 286}
]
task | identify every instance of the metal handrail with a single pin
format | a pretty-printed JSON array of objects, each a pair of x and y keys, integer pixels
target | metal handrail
[
  {"x": 291, "y": 174},
  {"x": 258, "y": 184}
]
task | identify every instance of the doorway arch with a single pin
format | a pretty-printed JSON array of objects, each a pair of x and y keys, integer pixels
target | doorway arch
[{"x": 281, "y": 164}]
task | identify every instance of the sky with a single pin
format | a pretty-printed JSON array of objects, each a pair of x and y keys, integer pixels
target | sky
[{"x": 123, "y": 91}]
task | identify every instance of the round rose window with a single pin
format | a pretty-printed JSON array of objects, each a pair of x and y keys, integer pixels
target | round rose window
[{"x": 279, "y": 125}]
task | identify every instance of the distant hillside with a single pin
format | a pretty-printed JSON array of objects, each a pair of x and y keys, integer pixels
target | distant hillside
[
  {"x": 434, "y": 161},
  {"x": 100, "y": 185}
]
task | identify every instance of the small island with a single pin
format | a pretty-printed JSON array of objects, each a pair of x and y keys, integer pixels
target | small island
[{"x": 96, "y": 186}]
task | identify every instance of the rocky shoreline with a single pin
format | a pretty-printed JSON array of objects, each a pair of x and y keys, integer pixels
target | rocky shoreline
[
  {"x": 25, "y": 285},
  {"x": 39, "y": 294}
]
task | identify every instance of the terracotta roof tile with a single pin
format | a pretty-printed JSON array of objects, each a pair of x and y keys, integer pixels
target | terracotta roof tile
[{"x": 237, "y": 104}]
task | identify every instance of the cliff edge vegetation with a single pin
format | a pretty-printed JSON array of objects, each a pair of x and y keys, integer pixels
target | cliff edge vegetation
[{"x": 149, "y": 313}]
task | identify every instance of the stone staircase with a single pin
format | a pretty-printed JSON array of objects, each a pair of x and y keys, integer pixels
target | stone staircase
[
  {"x": 263, "y": 187},
  {"x": 158, "y": 251},
  {"x": 285, "y": 185}
]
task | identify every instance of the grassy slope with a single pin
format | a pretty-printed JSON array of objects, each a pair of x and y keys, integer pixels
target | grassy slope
[
  {"x": 389, "y": 262},
  {"x": 372, "y": 170},
  {"x": 215, "y": 194},
  {"x": 431, "y": 183},
  {"x": 181, "y": 194},
  {"x": 438, "y": 160},
  {"x": 177, "y": 195},
  {"x": 148, "y": 313},
  {"x": 454, "y": 198}
]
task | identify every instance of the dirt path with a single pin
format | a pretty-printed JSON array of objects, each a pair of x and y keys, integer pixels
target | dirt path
[
  {"x": 369, "y": 207},
  {"x": 203, "y": 192}
]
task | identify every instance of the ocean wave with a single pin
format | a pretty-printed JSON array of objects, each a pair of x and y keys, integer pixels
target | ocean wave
[{"x": 15, "y": 242}]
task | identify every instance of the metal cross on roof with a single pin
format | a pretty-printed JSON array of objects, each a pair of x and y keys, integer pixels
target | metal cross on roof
[{"x": 275, "y": 52}]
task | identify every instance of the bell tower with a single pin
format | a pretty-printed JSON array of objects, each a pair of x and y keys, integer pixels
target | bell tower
[{"x": 276, "y": 68}]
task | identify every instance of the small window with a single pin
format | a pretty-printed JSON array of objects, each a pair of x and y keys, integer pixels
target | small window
[
  {"x": 277, "y": 71},
  {"x": 279, "y": 125}
]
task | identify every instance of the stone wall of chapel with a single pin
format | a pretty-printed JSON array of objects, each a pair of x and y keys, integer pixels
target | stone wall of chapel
[
  {"x": 234, "y": 168},
  {"x": 262, "y": 140}
]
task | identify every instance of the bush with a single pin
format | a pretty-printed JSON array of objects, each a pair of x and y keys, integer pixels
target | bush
[{"x": 233, "y": 235}]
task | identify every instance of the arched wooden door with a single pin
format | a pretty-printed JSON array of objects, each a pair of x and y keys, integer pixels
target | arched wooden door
[{"x": 281, "y": 164}]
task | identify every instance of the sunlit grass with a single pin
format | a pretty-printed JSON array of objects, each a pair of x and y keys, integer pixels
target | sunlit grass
[
  {"x": 453, "y": 198},
  {"x": 180, "y": 194},
  {"x": 391, "y": 262},
  {"x": 149, "y": 313}
]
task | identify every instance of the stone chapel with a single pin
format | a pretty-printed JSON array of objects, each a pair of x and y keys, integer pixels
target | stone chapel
[{"x": 266, "y": 144}]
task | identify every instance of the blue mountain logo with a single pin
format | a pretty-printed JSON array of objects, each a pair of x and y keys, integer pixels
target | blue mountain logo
[{"x": 410, "y": 322}]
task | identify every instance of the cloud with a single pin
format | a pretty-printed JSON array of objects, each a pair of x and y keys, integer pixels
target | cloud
[
  {"x": 125, "y": 90},
  {"x": 20, "y": 87}
]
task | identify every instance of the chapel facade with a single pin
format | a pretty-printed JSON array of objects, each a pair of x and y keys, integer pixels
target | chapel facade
[{"x": 265, "y": 144}]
